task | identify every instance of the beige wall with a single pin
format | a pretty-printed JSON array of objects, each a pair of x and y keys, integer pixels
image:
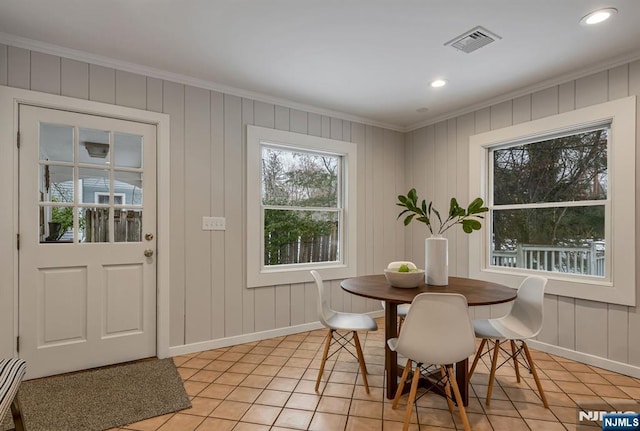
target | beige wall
[
  {"x": 208, "y": 298},
  {"x": 437, "y": 164}
]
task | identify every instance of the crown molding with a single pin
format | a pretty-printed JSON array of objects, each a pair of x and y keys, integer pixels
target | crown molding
[
  {"x": 73, "y": 54},
  {"x": 542, "y": 85}
]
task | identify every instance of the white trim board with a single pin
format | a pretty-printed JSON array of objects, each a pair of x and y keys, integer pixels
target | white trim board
[
  {"x": 254, "y": 336},
  {"x": 586, "y": 358}
]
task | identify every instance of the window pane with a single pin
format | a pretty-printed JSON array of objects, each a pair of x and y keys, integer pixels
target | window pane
[
  {"x": 94, "y": 224},
  {"x": 127, "y": 225},
  {"x": 570, "y": 168},
  {"x": 56, "y": 224},
  {"x": 300, "y": 236},
  {"x": 127, "y": 185},
  {"x": 56, "y": 183},
  {"x": 56, "y": 142},
  {"x": 295, "y": 178},
  {"x": 95, "y": 185},
  {"x": 128, "y": 150},
  {"x": 94, "y": 146},
  {"x": 562, "y": 239}
]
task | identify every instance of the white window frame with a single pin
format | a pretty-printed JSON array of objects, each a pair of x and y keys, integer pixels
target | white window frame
[
  {"x": 257, "y": 273},
  {"x": 98, "y": 195},
  {"x": 619, "y": 287}
]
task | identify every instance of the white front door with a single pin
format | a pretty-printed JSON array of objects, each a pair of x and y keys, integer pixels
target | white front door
[{"x": 87, "y": 223}]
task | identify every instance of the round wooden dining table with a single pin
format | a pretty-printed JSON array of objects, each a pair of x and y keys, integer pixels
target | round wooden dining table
[{"x": 477, "y": 292}]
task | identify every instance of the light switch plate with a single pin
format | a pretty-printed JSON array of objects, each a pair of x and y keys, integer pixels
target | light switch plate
[{"x": 213, "y": 223}]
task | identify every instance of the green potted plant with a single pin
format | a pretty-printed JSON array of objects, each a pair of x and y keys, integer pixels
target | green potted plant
[{"x": 436, "y": 246}]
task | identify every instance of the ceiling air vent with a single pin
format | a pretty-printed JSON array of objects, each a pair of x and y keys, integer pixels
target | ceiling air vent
[{"x": 473, "y": 39}]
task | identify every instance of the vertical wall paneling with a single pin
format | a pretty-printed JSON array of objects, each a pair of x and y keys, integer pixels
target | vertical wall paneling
[
  {"x": 592, "y": 89},
  {"x": 544, "y": 103},
  {"x": 634, "y": 312},
  {"x": 197, "y": 191},
  {"x": 464, "y": 129},
  {"x": 314, "y": 124},
  {"x": 567, "y": 96},
  {"x": 549, "y": 333},
  {"x": 74, "y": 79},
  {"x": 617, "y": 333},
  {"x": 173, "y": 104},
  {"x": 249, "y": 108},
  {"x": 502, "y": 115},
  {"x": 325, "y": 124},
  {"x": 18, "y": 68},
  {"x": 263, "y": 297},
  {"x": 298, "y": 121},
  {"x": 218, "y": 238},
  {"x": 358, "y": 131},
  {"x": 368, "y": 208},
  {"x": 566, "y": 322},
  {"x": 233, "y": 196},
  {"x": 591, "y": 327},
  {"x": 45, "y": 73},
  {"x": 154, "y": 95},
  {"x": 521, "y": 109},
  {"x": 452, "y": 189},
  {"x": 3, "y": 64},
  {"x": 102, "y": 84},
  {"x": 618, "y": 84},
  {"x": 131, "y": 90}
]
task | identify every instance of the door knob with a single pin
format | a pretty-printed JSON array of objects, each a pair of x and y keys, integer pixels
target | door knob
[
  {"x": 148, "y": 252},
  {"x": 148, "y": 236}
]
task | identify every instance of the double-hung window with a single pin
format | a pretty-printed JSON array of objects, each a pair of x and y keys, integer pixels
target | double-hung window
[
  {"x": 561, "y": 197},
  {"x": 300, "y": 207}
]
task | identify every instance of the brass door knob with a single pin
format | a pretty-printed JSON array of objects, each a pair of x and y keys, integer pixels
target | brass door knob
[
  {"x": 148, "y": 236},
  {"x": 148, "y": 252}
]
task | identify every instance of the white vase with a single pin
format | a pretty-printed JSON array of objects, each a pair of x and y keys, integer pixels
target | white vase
[{"x": 436, "y": 260}]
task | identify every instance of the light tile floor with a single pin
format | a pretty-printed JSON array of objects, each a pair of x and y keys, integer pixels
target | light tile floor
[{"x": 269, "y": 385}]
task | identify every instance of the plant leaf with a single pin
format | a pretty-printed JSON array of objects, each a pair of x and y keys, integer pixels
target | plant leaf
[{"x": 408, "y": 219}]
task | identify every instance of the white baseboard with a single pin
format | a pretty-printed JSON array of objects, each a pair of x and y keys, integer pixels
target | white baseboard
[
  {"x": 249, "y": 338},
  {"x": 585, "y": 358}
]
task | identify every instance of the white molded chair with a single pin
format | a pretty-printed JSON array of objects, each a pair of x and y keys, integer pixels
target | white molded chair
[
  {"x": 523, "y": 322},
  {"x": 11, "y": 373},
  {"x": 338, "y": 321},
  {"x": 437, "y": 331}
]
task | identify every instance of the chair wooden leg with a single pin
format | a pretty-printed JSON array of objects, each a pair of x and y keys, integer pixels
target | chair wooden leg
[
  {"x": 17, "y": 415},
  {"x": 400, "y": 322},
  {"x": 447, "y": 387},
  {"x": 515, "y": 360},
  {"x": 412, "y": 397},
  {"x": 363, "y": 367},
  {"x": 456, "y": 391},
  {"x": 494, "y": 364},
  {"x": 478, "y": 354},
  {"x": 535, "y": 374},
  {"x": 324, "y": 357},
  {"x": 403, "y": 379}
]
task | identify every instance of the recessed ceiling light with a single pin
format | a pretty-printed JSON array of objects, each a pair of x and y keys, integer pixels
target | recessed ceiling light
[
  {"x": 598, "y": 16},
  {"x": 438, "y": 83}
]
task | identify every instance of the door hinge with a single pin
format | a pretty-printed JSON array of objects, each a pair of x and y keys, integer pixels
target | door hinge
[
  {"x": 18, "y": 139},
  {"x": 18, "y": 344},
  {"x": 18, "y": 241}
]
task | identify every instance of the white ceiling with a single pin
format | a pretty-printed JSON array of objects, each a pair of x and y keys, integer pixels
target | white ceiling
[{"x": 365, "y": 59}]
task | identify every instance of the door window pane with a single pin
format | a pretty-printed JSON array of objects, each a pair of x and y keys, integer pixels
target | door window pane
[
  {"x": 127, "y": 225},
  {"x": 56, "y": 183},
  {"x": 56, "y": 224},
  {"x": 94, "y": 147},
  {"x": 56, "y": 142},
  {"x": 93, "y": 183},
  {"x": 129, "y": 185},
  {"x": 128, "y": 150},
  {"x": 94, "y": 225}
]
